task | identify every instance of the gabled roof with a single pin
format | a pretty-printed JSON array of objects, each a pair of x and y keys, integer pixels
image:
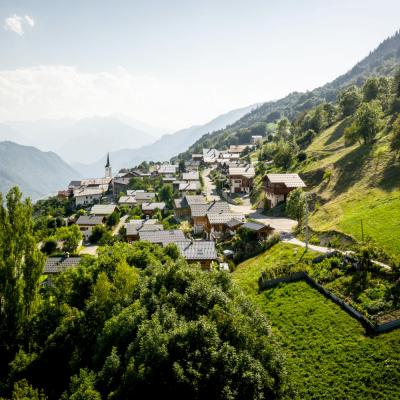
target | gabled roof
[
  {"x": 223, "y": 218},
  {"x": 162, "y": 237},
  {"x": 247, "y": 171},
  {"x": 179, "y": 203},
  {"x": 167, "y": 169},
  {"x": 56, "y": 265},
  {"x": 200, "y": 210},
  {"x": 289, "y": 180},
  {"x": 73, "y": 184},
  {"x": 145, "y": 195},
  {"x": 127, "y": 200},
  {"x": 198, "y": 250},
  {"x": 256, "y": 226},
  {"x": 189, "y": 186},
  {"x": 133, "y": 227},
  {"x": 89, "y": 191},
  {"x": 153, "y": 206},
  {"x": 91, "y": 220},
  {"x": 195, "y": 199},
  {"x": 103, "y": 209},
  {"x": 234, "y": 222},
  {"x": 191, "y": 176}
]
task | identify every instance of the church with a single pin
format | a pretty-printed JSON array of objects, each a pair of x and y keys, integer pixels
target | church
[{"x": 90, "y": 191}]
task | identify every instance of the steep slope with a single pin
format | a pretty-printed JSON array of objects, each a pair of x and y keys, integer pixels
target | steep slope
[
  {"x": 36, "y": 173},
  {"x": 357, "y": 188},
  {"x": 381, "y": 61},
  {"x": 165, "y": 147}
]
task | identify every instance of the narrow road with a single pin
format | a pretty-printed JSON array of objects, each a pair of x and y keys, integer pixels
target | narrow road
[
  {"x": 119, "y": 225},
  {"x": 209, "y": 187}
]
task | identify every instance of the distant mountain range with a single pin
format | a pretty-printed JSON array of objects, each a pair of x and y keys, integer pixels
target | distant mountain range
[
  {"x": 165, "y": 147},
  {"x": 35, "y": 172},
  {"x": 84, "y": 140}
]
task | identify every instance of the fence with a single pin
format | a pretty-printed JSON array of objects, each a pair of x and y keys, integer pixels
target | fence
[{"x": 297, "y": 276}]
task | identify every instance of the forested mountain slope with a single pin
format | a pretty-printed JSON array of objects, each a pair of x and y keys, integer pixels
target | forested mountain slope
[
  {"x": 380, "y": 62},
  {"x": 37, "y": 173}
]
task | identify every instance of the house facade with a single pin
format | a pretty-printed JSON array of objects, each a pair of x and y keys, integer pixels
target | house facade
[
  {"x": 241, "y": 179},
  {"x": 278, "y": 186},
  {"x": 86, "y": 224}
]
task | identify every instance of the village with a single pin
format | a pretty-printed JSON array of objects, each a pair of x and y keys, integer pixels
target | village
[{"x": 210, "y": 225}]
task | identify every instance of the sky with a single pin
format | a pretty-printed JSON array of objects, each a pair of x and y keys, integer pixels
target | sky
[{"x": 176, "y": 63}]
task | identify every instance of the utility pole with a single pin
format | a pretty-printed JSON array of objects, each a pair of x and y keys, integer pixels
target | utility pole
[
  {"x": 306, "y": 226},
  {"x": 362, "y": 230}
]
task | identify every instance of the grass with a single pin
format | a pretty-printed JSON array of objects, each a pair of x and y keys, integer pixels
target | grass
[
  {"x": 354, "y": 183},
  {"x": 328, "y": 354},
  {"x": 379, "y": 211}
]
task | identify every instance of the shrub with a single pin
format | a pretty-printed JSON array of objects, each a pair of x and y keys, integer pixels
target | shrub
[{"x": 49, "y": 246}]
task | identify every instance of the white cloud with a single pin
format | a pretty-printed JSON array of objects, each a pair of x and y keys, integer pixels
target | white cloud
[
  {"x": 65, "y": 92},
  {"x": 16, "y": 24},
  {"x": 29, "y": 20}
]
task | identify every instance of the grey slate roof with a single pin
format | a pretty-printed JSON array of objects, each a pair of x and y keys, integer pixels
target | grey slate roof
[
  {"x": 189, "y": 186},
  {"x": 232, "y": 223},
  {"x": 255, "y": 226},
  {"x": 145, "y": 195},
  {"x": 153, "y": 206},
  {"x": 223, "y": 218},
  {"x": 141, "y": 226},
  {"x": 191, "y": 176},
  {"x": 195, "y": 199},
  {"x": 162, "y": 237},
  {"x": 200, "y": 210},
  {"x": 90, "y": 220},
  {"x": 289, "y": 180},
  {"x": 198, "y": 250},
  {"x": 103, "y": 209},
  {"x": 56, "y": 265}
]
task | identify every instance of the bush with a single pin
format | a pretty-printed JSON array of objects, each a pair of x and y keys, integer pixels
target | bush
[{"x": 49, "y": 246}]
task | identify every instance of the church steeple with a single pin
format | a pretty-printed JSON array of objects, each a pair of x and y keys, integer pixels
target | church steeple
[{"x": 108, "y": 167}]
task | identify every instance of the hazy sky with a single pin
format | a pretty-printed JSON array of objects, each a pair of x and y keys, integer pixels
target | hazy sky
[{"x": 176, "y": 63}]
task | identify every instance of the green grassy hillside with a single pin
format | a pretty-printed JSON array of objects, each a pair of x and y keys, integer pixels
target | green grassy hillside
[
  {"x": 354, "y": 183},
  {"x": 328, "y": 354}
]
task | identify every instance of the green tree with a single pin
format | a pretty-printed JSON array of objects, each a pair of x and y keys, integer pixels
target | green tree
[
  {"x": 283, "y": 129},
  {"x": 166, "y": 194},
  {"x": 349, "y": 100},
  {"x": 371, "y": 89},
  {"x": 295, "y": 205},
  {"x": 49, "y": 246},
  {"x": 319, "y": 119},
  {"x": 97, "y": 233},
  {"x": 71, "y": 236},
  {"x": 395, "y": 142},
  {"x": 182, "y": 166},
  {"x": 396, "y": 83},
  {"x": 283, "y": 156},
  {"x": 21, "y": 265},
  {"x": 368, "y": 120},
  {"x": 113, "y": 218}
]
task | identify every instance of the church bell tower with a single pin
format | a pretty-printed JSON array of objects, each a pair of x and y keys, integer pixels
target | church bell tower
[{"x": 108, "y": 167}]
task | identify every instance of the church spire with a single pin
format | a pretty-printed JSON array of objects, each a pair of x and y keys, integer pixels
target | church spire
[{"x": 108, "y": 167}]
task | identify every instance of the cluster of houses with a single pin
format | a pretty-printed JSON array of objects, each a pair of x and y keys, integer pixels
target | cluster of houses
[{"x": 211, "y": 221}]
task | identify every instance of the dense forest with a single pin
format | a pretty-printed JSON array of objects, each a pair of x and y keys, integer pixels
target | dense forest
[{"x": 136, "y": 321}]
